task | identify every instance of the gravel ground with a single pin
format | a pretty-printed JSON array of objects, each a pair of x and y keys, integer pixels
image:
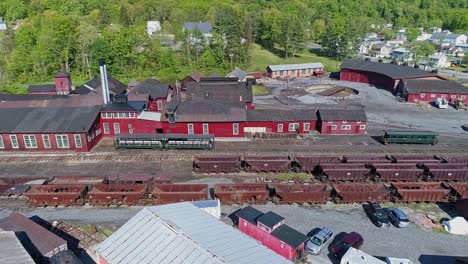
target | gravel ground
[{"x": 412, "y": 242}]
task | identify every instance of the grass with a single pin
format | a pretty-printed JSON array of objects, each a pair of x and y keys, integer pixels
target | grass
[
  {"x": 448, "y": 77},
  {"x": 440, "y": 230},
  {"x": 261, "y": 58},
  {"x": 259, "y": 90},
  {"x": 292, "y": 176},
  {"x": 465, "y": 84}
]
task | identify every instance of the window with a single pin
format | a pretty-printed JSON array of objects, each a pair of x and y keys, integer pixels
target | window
[
  {"x": 453, "y": 96},
  {"x": 14, "y": 141},
  {"x": 205, "y": 129},
  {"x": 132, "y": 115},
  {"x": 90, "y": 138},
  {"x": 282, "y": 244},
  {"x": 334, "y": 127},
  {"x": 344, "y": 122},
  {"x": 330, "y": 122},
  {"x": 106, "y": 128},
  {"x": 127, "y": 114},
  {"x": 303, "y": 71},
  {"x": 346, "y": 127},
  {"x": 293, "y": 72},
  {"x": 463, "y": 96},
  {"x": 359, "y": 122},
  {"x": 159, "y": 105},
  {"x": 98, "y": 131},
  {"x": 46, "y": 140},
  {"x": 116, "y": 128},
  {"x": 281, "y": 73},
  {"x": 130, "y": 128},
  {"x": 422, "y": 95},
  {"x": 306, "y": 126},
  {"x": 78, "y": 141},
  {"x": 119, "y": 115},
  {"x": 190, "y": 128},
  {"x": 293, "y": 126},
  {"x": 62, "y": 141},
  {"x": 433, "y": 95},
  {"x": 362, "y": 127},
  {"x": 30, "y": 141},
  {"x": 235, "y": 129},
  {"x": 280, "y": 128},
  {"x": 106, "y": 115},
  {"x": 2, "y": 145}
]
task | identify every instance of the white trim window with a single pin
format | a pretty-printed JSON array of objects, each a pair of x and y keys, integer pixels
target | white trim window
[
  {"x": 127, "y": 114},
  {"x": 116, "y": 128},
  {"x": 98, "y": 131},
  {"x": 106, "y": 128},
  {"x": 30, "y": 141},
  {"x": 78, "y": 143},
  {"x": 463, "y": 96},
  {"x": 344, "y": 122},
  {"x": 46, "y": 141},
  {"x": 90, "y": 138},
  {"x": 433, "y": 95},
  {"x": 159, "y": 104},
  {"x": 306, "y": 126},
  {"x": 106, "y": 115},
  {"x": 280, "y": 128},
  {"x": 2, "y": 145},
  {"x": 14, "y": 141},
  {"x": 346, "y": 127},
  {"x": 293, "y": 127},
  {"x": 130, "y": 128},
  {"x": 235, "y": 129},
  {"x": 422, "y": 95},
  {"x": 132, "y": 115},
  {"x": 62, "y": 141},
  {"x": 190, "y": 129},
  {"x": 334, "y": 127},
  {"x": 206, "y": 129},
  {"x": 362, "y": 127}
]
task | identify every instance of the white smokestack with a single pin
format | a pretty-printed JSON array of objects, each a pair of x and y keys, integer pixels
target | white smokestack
[
  {"x": 103, "y": 81},
  {"x": 107, "y": 84}
]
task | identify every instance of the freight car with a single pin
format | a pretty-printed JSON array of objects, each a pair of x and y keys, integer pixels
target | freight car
[
  {"x": 409, "y": 137},
  {"x": 163, "y": 141}
]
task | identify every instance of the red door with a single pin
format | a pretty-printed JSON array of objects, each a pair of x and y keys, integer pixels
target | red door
[
  {"x": 329, "y": 129},
  {"x": 298, "y": 74},
  {"x": 356, "y": 129}
]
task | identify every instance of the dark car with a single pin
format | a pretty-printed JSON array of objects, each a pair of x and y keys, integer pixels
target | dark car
[
  {"x": 397, "y": 217},
  {"x": 377, "y": 215},
  {"x": 352, "y": 239}
]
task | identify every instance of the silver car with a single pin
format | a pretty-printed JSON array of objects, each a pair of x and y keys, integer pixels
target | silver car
[{"x": 319, "y": 240}]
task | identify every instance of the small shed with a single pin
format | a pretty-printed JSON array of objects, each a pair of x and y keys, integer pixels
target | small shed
[
  {"x": 287, "y": 71},
  {"x": 342, "y": 121}
]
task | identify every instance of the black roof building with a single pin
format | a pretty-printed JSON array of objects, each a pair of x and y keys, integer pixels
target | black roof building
[
  {"x": 152, "y": 87},
  {"x": 41, "y": 88},
  {"x": 434, "y": 86},
  {"x": 342, "y": 115},
  {"x": 220, "y": 89},
  {"x": 190, "y": 111},
  {"x": 94, "y": 86},
  {"x": 120, "y": 103},
  {"x": 391, "y": 70},
  {"x": 289, "y": 235},
  {"x": 270, "y": 219},
  {"x": 249, "y": 214}
]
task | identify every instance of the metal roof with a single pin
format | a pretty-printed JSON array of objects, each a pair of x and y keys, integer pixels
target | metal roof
[
  {"x": 151, "y": 116},
  {"x": 278, "y": 115},
  {"x": 270, "y": 219},
  {"x": 182, "y": 233},
  {"x": 249, "y": 214},
  {"x": 38, "y": 88},
  {"x": 220, "y": 89},
  {"x": 436, "y": 86},
  {"x": 410, "y": 132},
  {"x": 289, "y": 235},
  {"x": 342, "y": 115},
  {"x": 191, "y": 111},
  {"x": 48, "y": 119},
  {"x": 11, "y": 250},
  {"x": 285, "y": 67},
  {"x": 391, "y": 70},
  {"x": 153, "y": 87},
  {"x": 240, "y": 74},
  {"x": 94, "y": 86},
  {"x": 203, "y": 27}
]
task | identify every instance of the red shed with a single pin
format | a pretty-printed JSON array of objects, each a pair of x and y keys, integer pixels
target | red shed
[
  {"x": 422, "y": 90},
  {"x": 351, "y": 121},
  {"x": 270, "y": 230}
]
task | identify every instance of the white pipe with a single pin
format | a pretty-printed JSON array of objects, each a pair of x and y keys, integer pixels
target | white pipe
[
  {"x": 103, "y": 84},
  {"x": 106, "y": 80}
]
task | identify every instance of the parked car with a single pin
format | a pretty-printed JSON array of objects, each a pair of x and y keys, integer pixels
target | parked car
[
  {"x": 352, "y": 239},
  {"x": 319, "y": 240},
  {"x": 397, "y": 217},
  {"x": 377, "y": 215}
]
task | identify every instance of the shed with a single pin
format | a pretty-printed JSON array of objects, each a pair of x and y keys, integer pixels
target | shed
[
  {"x": 420, "y": 90},
  {"x": 342, "y": 121},
  {"x": 12, "y": 251},
  {"x": 294, "y": 70}
]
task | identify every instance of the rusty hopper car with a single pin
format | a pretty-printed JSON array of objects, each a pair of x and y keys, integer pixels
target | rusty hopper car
[
  {"x": 222, "y": 164},
  {"x": 408, "y": 175},
  {"x": 241, "y": 193},
  {"x": 345, "y": 174},
  {"x": 55, "y": 195},
  {"x": 418, "y": 159},
  {"x": 83, "y": 180},
  {"x": 461, "y": 190},
  {"x": 421, "y": 192},
  {"x": 118, "y": 194},
  {"x": 298, "y": 193},
  {"x": 173, "y": 193},
  {"x": 267, "y": 164},
  {"x": 367, "y": 159},
  {"x": 309, "y": 163},
  {"x": 352, "y": 193},
  {"x": 448, "y": 175}
]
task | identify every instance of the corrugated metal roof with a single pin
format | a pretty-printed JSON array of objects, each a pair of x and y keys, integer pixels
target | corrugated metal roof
[
  {"x": 153, "y": 87},
  {"x": 220, "y": 90},
  {"x": 152, "y": 116},
  {"x": 435, "y": 86},
  {"x": 391, "y": 70},
  {"x": 279, "y": 115},
  {"x": 11, "y": 250},
  {"x": 190, "y": 111},
  {"x": 38, "y": 88},
  {"x": 285, "y": 67},
  {"x": 342, "y": 115},
  {"x": 182, "y": 233}
]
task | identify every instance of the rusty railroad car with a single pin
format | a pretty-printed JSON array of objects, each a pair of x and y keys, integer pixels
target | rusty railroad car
[
  {"x": 55, "y": 195},
  {"x": 298, "y": 193},
  {"x": 421, "y": 192},
  {"x": 116, "y": 194},
  {"x": 223, "y": 164},
  {"x": 174, "y": 193},
  {"x": 242, "y": 193},
  {"x": 350, "y": 193}
]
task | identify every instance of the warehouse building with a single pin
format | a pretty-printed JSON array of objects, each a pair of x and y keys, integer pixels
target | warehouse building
[
  {"x": 428, "y": 90},
  {"x": 342, "y": 121},
  {"x": 383, "y": 75},
  {"x": 12, "y": 251},
  {"x": 181, "y": 233},
  {"x": 287, "y": 71}
]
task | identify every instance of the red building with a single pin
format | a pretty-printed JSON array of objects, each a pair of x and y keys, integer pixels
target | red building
[
  {"x": 294, "y": 70},
  {"x": 159, "y": 93},
  {"x": 342, "y": 122},
  {"x": 62, "y": 86},
  {"x": 428, "y": 90},
  {"x": 300, "y": 121},
  {"x": 270, "y": 230},
  {"x": 194, "y": 77},
  {"x": 380, "y": 74}
]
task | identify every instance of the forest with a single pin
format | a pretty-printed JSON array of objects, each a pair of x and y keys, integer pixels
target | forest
[{"x": 44, "y": 36}]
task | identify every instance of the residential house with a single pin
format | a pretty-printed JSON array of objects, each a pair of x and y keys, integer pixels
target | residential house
[
  {"x": 438, "y": 60},
  {"x": 423, "y": 36},
  {"x": 364, "y": 48},
  {"x": 370, "y": 36},
  {"x": 3, "y": 25},
  {"x": 435, "y": 30},
  {"x": 380, "y": 50},
  {"x": 153, "y": 27},
  {"x": 445, "y": 39},
  {"x": 402, "y": 55},
  {"x": 239, "y": 74},
  {"x": 204, "y": 28},
  {"x": 454, "y": 51}
]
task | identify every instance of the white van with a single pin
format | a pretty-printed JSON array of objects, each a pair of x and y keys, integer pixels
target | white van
[{"x": 356, "y": 256}]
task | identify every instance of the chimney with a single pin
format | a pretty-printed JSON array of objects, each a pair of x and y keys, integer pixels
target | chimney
[
  {"x": 102, "y": 70},
  {"x": 62, "y": 83}
]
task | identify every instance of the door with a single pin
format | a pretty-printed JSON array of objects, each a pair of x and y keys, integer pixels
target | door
[
  {"x": 329, "y": 129},
  {"x": 159, "y": 131},
  {"x": 298, "y": 74},
  {"x": 357, "y": 128}
]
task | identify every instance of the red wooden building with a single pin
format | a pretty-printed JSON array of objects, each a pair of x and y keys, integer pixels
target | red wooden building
[
  {"x": 380, "y": 74},
  {"x": 428, "y": 90},
  {"x": 62, "y": 86},
  {"x": 194, "y": 77},
  {"x": 270, "y": 230},
  {"x": 159, "y": 93},
  {"x": 300, "y": 121},
  {"x": 341, "y": 122}
]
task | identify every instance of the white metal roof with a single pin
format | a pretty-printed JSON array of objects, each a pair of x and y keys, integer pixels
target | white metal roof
[
  {"x": 152, "y": 116},
  {"x": 182, "y": 233},
  {"x": 11, "y": 250},
  {"x": 284, "y": 67}
]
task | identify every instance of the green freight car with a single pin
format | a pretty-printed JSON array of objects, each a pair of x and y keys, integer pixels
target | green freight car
[
  {"x": 409, "y": 137},
  {"x": 163, "y": 141}
]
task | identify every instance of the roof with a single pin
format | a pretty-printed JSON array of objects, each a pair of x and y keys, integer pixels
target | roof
[
  {"x": 203, "y": 27},
  {"x": 277, "y": 115},
  {"x": 284, "y": 67},
  {"x": 12, "y": 251},
  {"x": 220, "y": 90},
  {"x": 196, "y": 76},
  {"x": 206, "y": 203},
  {"x": 152, "y": 87},
  {"x": 48, "y": 119},
  {"x": 125, "y": 106},
  {"x": 43, "y": 240},
  {"x": 62, "y": 73},
  {"x": 289, "y": 235},
  {"x": 94, "y": 86},
  {"x": 182, "y": 233},
  {"x": 391, "y": 70},
  {"x": 48, "y": 100},
  {"x": 191, "y": 111},
  {"x": 152, "y": 116},
  {"x": 434, "y": 86},
  {"x": 65, "y": 257},
  {"x": 402, "y": 50},
  {"x": 270, "y": 219},
  {"x": 38, "y": 88},
  {"x": 240, "y": 74},
  {"x": 249, "y": 214},
  {"x": 342, "y": 115},
  {"x": 410, "y": 132}
]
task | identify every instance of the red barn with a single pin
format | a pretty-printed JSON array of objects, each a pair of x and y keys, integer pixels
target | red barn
[
  {"x": 301, "y": 121},
  {"x": 334, "y": 121},
  {"x": 385, "y": 75},
  {"x": 270, "y": 230},
  {"x": 428, "y": 90},
  {"x": 158, "y": 93}
]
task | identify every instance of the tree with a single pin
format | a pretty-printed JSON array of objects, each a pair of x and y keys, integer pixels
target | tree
[
  {"x": 318, "y": 29},
  {"x": 422, "y": 49},
  {"x": 411, "y": 34}
]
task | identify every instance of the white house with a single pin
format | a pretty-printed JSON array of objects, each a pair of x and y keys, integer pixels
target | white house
[
  {"x": 204, "y": 28},
  {"x": 423, "y": 36},
  {"x": 448, "y": 39},
  {"x": 153, "y": 27},
  {"x": 402, "y": 55},
  {"x": 381, "y": 50},
  {"x": 438, "y": 61},
  {"x": 454, "y": 51}
]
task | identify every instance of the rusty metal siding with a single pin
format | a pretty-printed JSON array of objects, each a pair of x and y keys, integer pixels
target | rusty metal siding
[
  {"x": 366, "y": 159},
  {"x": 421, "y": 192},
  {"x": 350, "y": 193},
  {"x": 173, "y": 193},
  {"x": 449, "y": 174},
  {"x": 217, "y": 164},
  {"x": 421, "y": 159},
  {"x": 241, "y": 193},
  {"x": 297, "y": 193},
  {"x": 267, "y": 164},
  {"x": 87, "y": 180},
  {"x": 55, "y": 195},
  {"x": 346, "y": 174},
  {"x": 399, "y": 174},
  {"x": 118, "y": 194},
  {"x": 461, "y": 189},
  {"x": 308, "y": 163},
  {"x": 395, "y": 166},
  {"x": 434, "y": 166}
]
